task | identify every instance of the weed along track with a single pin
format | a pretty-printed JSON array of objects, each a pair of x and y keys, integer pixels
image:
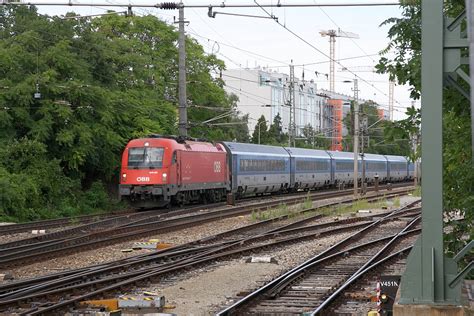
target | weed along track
[{"x": 62, "y": 290}]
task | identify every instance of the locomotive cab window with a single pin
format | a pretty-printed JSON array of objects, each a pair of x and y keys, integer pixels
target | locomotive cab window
[
  {"x": 145, "y": 157},
  {"x": 175, "y": 157}
]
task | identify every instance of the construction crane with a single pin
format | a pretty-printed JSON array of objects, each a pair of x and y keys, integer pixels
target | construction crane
[{"x": 332, "y": 47}]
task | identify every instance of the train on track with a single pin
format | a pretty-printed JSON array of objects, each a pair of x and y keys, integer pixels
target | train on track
[{"x": 162, "y": 170}]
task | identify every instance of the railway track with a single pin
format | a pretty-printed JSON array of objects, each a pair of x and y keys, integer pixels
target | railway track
[
  {"x": 51, "y": 292},
  {"x": 114, "y": 230},
  {"x": 311, "y": 287},
  {"x": 86, "y": 219},
  {"x": 54, "y": 223},
  {"x": 356, "y": 296}
]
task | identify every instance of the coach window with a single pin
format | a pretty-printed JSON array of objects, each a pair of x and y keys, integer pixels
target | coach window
[{"x": 242, "y": 165}]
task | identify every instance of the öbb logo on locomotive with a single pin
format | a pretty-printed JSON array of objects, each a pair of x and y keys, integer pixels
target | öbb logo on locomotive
[{"x": 143, "y": 179}]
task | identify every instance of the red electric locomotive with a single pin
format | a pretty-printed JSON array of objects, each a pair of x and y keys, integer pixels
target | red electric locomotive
[{"x": 160, "y": 170}]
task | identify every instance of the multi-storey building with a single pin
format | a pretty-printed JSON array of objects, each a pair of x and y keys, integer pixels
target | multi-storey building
[{"x": 265, "y": 92}]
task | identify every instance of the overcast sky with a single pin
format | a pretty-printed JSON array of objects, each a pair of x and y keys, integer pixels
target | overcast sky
[{"x": 247, "y": 42}]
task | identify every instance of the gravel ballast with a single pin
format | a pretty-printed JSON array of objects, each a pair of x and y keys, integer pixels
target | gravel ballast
[{"x": 206, "y": 290}]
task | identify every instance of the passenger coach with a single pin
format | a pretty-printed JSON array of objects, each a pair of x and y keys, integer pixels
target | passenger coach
[
  {"x": 375, "y": 165},
  {"x": 397, "y": 168},
  {"x": 310, "y": 168},
  {"x": 160, "y": 170},
  {"x": 343, "y": 167},
  {"x": 258, "y": 169}
]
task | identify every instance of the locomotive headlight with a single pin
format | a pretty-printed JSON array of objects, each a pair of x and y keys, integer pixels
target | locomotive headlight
[
  {"x": 164, "y": 176},
  {"x": 124, "y": 176}
]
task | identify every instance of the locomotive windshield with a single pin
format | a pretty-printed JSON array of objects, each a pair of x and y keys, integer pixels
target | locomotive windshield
[{"x": 145, "y": 157}]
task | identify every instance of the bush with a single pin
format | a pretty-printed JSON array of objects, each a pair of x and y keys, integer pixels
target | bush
[{"x": 32, "y": 187}]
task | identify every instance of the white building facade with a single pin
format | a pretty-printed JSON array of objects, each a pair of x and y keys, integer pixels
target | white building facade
[{"x": 265, "y": 92}]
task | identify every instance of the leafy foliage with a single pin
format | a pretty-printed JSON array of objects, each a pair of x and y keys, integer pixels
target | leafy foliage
[
  {"x": 260, "y": 133},
  {"x": 74, "y": 91},
  {"x": 380, "y": 136},
  {"x": 405, "y": 39},
  {"x": 275, "y": 132},
  {"x": 458, "y": 172},
  {"x": 313, "y": 139}
]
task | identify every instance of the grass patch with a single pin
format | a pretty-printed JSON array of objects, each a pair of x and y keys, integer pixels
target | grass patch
[
  {"x": 308, "y": 203},
  {"x": 74, "y": 221},
  {"x": 360, "y": 204},
  {"x": 417, "y": 191},
  {"x": 396, "y": 201},
  {"x": 281, "y": 210},
  {"x": 284, "y": 210}
]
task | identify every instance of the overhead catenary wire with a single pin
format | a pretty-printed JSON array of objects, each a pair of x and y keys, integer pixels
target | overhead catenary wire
[
  {"x": 262, "y": 55},
  {"x": 320, "y": 51},
  {"x": 269, "y": 99},
  {"x": 369, "y": 82},
  {"x": 285, "y": 63},
  {"x": 175, "y": 5}
]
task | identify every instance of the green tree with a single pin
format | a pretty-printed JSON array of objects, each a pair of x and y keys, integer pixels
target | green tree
[
  {"x": 310, "y": 138},
  {"x": 75, "y": 91},
  {"x": 275, "y": 132},
  {"x": 405, "y": 67},
  {"x": 377, "y": 140},
  {"x": 404, "y": 130},
  {"x": 260, "y": 133}
]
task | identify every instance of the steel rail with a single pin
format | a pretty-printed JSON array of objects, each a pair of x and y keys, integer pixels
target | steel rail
[
  {"x": 23, "y": 292},
  {"x": 355, "y": 277},
  {"x": 208, "y": 255},
  {"x": 303, "y": 267},
  {"x": 32, "y": 291},
  {"x": 128, "y": 231},
  {"x": 53, "y": 223},
  {"x": 190, "y": 262},
  {"x": 234, "y": 242},
  {"x": 83, "y": 219},
  {"x": 72, "y": 247},
  {"x": 288, "y": 277},
  {"x": 281, "y": 230},
  {"x": 284, "y": 284},
  {"x": 150, "y": 274},
  {"x": 173, "y": 5},
  {"x": 117, "y": 220}
]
